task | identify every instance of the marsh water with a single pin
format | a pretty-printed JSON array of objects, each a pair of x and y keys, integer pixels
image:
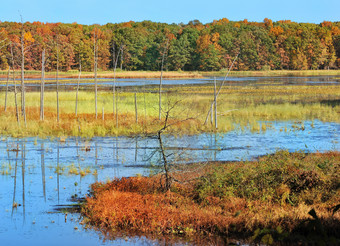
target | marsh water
[
  {"x": 107, "y": 83},
  {"x": 40, "y": 178}
]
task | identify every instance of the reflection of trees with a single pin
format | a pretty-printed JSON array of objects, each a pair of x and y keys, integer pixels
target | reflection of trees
[
  {"x": 58, "y": 172},
  {"x": 23, "y": 166},
  {"x": 96, "y": 160},
  {"x": 42, "y": 161},
  {"x": 15, "y": 176}
]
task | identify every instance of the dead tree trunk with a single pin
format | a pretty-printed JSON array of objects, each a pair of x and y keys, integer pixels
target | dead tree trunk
[
  {"x": 121, "y": 49},
  {"x": 160, "y": 82},
  {"x": 57, "y": 78},
  {"x": 15, "y": 88},
  {"x": 211, "y": 115},
  {"x": 165, "y": 163},
  {"x": 215, "y": 100},
  {"x": 117, "y": 110},
  {"x": 219, "y": 90},
  {"x": 113, "y": 54},
  {"x": 42, "y": 86},
  {"x": 136, "y": 112},
  {"x": 144, "y": 124},
  {"x": 78, "y": 87},
  {"x": 23, "y": 111},
  {"x": 9, "y": 69},
  {"x": 121, "y": 60},
  {"x": 114, "y": 81},
  {"x": 164, "y": 156},
  {"x": 95, "y": 71}
]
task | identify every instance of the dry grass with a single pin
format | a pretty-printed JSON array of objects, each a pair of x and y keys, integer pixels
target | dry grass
[
  {"x": 176, "y": 74},
  {"x": 86, "y": 125},
  {"x": 270, "y": 73},
  {"x": 110, "y": 74}
]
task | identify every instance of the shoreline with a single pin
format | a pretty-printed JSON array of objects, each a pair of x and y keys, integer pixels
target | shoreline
[
  {"x": 178, "y": 74},
  {"x": 275, "y": 73},
  {"x": 109, "y": 74}
]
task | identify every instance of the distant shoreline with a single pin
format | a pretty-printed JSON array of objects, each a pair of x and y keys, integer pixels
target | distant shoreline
[
  {"x": 108, "y": 74},
  {"x": 274, "y": 73},
  {"x": 177, "y": 74}
]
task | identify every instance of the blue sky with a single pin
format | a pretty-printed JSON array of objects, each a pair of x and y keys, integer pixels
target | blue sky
[{"x": 175, "y": 11}]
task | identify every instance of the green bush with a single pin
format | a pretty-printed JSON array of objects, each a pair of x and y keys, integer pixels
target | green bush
[{"x": 281, "y": 177}]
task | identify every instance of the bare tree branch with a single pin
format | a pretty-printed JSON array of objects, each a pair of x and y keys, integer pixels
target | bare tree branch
[{"x": 218, "y": 92}]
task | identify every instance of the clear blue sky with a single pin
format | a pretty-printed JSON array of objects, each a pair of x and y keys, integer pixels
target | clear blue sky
[{"x": 175, "y": 11}]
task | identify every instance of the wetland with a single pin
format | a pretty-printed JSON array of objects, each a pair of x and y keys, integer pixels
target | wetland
[{"x": 47, "y": 166}]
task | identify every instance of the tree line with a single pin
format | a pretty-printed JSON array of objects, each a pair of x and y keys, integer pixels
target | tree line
[{"x": 194, "y": 46}]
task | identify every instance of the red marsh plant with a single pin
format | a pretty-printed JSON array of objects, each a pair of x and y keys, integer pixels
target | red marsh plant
[{"x": 284, "y": 197}]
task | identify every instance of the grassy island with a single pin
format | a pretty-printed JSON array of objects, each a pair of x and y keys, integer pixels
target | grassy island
[{"x": 280, "y": 198}]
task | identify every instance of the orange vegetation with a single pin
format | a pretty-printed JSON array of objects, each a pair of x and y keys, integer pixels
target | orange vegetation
[
  {"x": 86, "y": 124},
  {"x": 139, "y": 205}
]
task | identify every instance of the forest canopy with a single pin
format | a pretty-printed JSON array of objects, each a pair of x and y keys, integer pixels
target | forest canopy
[{"x": 195, "y": 46}]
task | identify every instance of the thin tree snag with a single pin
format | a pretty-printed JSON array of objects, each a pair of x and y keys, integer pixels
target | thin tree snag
[
  {"x": 144, "y": 123},
  {"x": 78, "y": 81},
  {"x": 42, "y": 86},
  {"x": 215, "y": 100},
  {"x": 57, "y": 78},
  {"x": 15, "y": 88},
  {"x": 168, "y": 177},
  {"x": 136, "y": 112},
  {"x": 121, "y": 59},
  {"x": 114, "y": 81},
  {"x": 161, "y": 80},
  {"x": 117, "y": 110},
  {"x": 218, "y": 92},
  {"x": 23, "y": 111},
  {"x": 9, "y": 69},
  {"x": 211, "y": 115},
  {"x": 164, "y": 157},
  {"x": 95, "y": 71},
  {"x": 113, "y": 54}
]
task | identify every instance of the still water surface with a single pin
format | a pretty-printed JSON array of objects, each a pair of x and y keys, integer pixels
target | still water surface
[
  {"x": 41, "y": 175},
  {"x": 107, "y": 83}
]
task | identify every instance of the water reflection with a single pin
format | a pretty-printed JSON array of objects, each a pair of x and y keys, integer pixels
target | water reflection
[
  {"x": 58, "y": 172},
  {"x": 43, "y": 177},
  {"x": 106, "y": 83},
  {"x": 76, "y": 163},
  {"x": 14, "y": 204},
  {"x": 23, "y": 169}
]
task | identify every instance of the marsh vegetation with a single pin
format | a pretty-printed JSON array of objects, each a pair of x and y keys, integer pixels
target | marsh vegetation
[
  {"x": 274, "y": 198},
  {"x": 248, "y": 103},
  {"x": 256, "y": 116}
]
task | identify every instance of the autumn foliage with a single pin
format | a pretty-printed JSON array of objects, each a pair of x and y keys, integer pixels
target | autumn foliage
[
  {"x": 194, "y": 46},
  {"x": 270, "y": 199}
]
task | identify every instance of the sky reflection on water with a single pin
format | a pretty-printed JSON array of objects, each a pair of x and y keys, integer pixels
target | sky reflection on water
[{"x": 36, "y": 173}]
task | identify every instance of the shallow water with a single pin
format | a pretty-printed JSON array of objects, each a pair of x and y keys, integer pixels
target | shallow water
[
  {"x": 40, "y": 174},
  {"x": 107, "y": 83}
]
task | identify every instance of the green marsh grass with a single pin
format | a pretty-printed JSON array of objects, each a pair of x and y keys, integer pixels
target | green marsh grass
[{"x": 239, "y": 107}]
